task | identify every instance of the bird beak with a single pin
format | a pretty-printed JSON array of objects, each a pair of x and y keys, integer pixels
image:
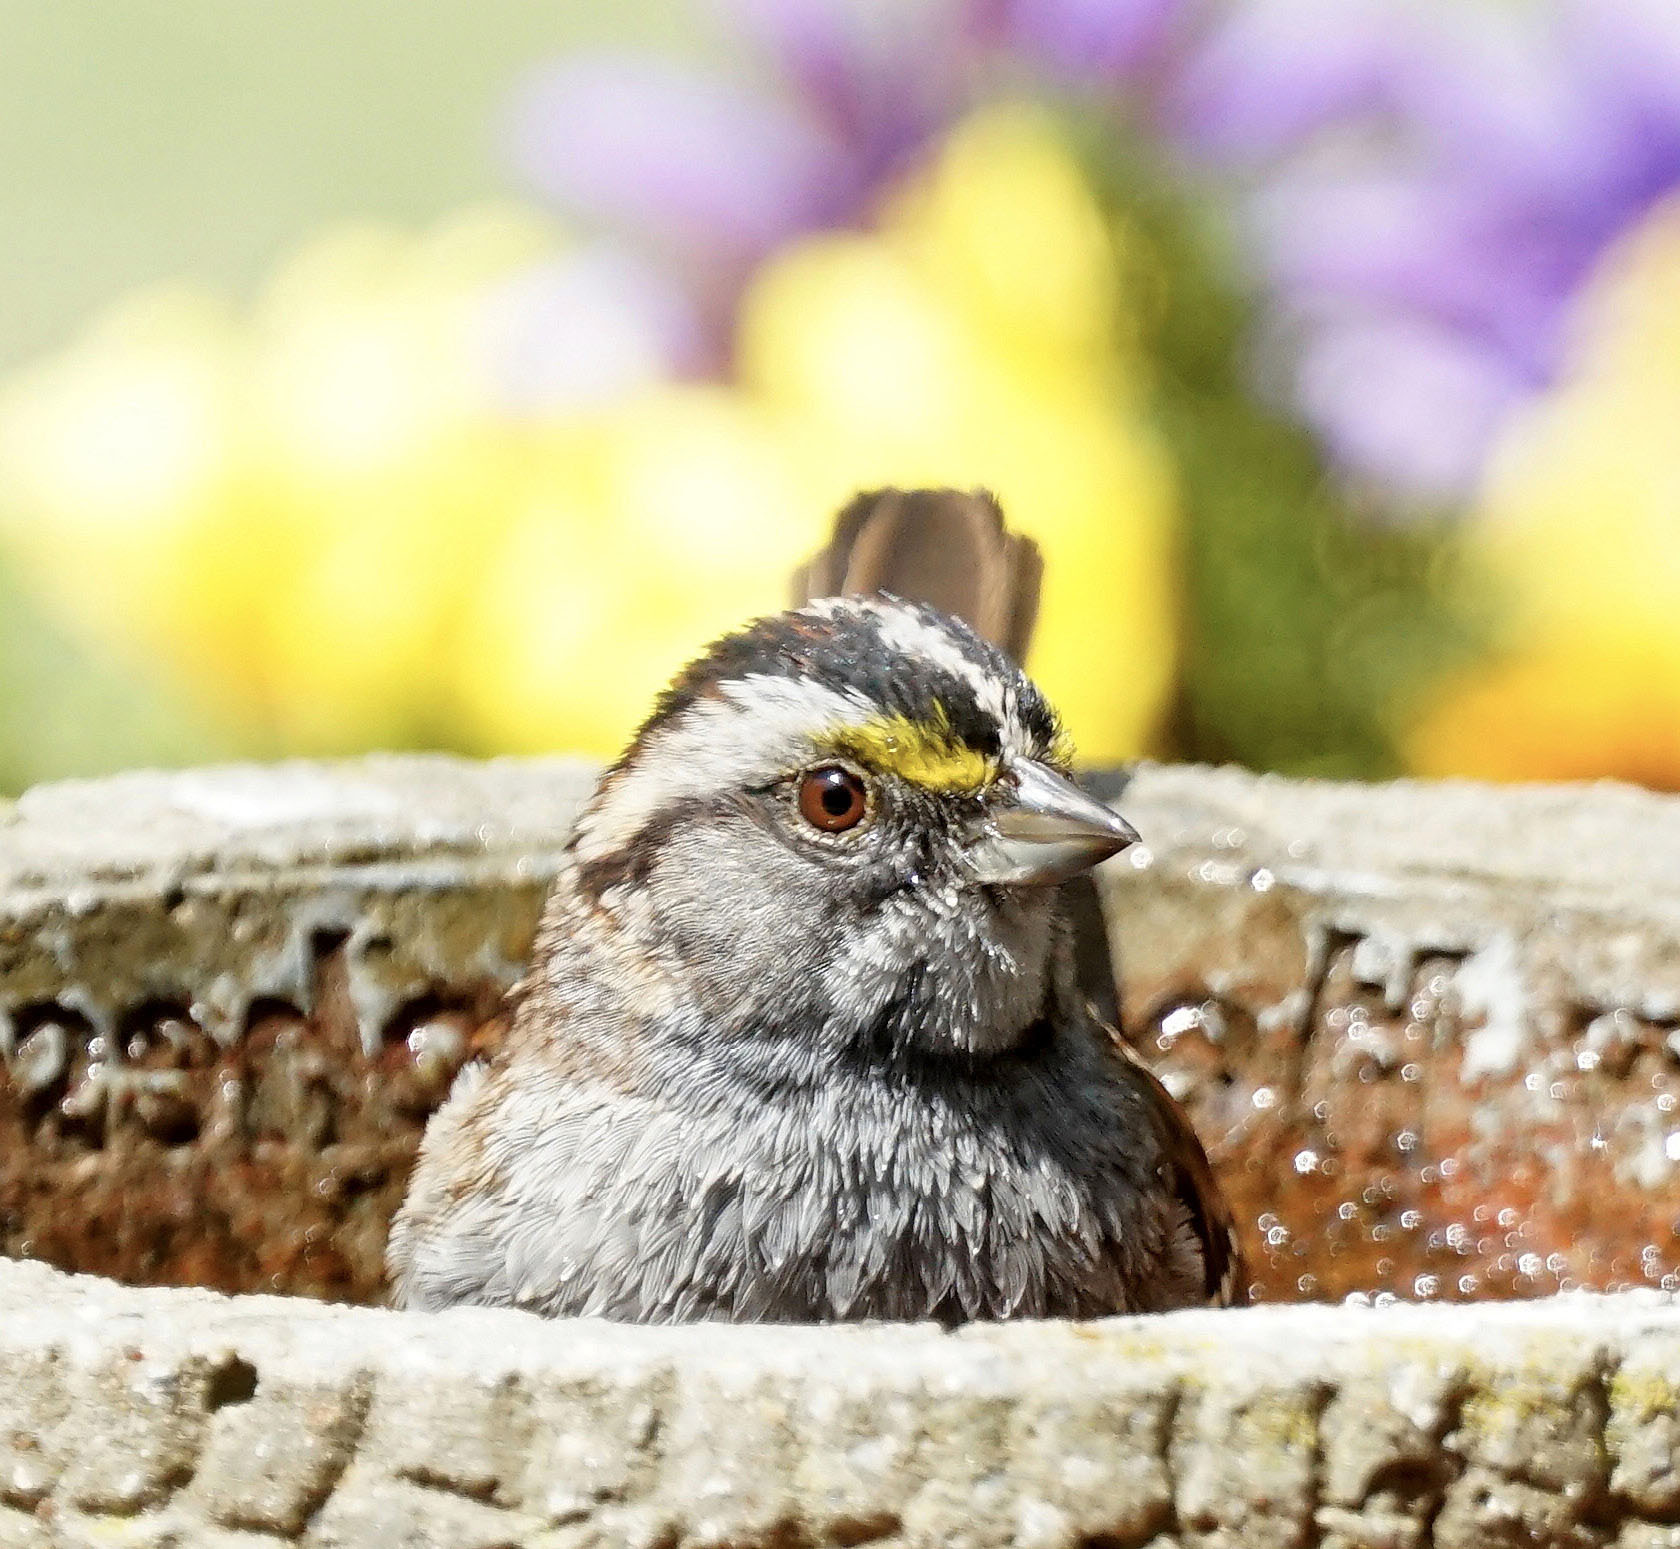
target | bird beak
[{"x": 1044, "y": 829}]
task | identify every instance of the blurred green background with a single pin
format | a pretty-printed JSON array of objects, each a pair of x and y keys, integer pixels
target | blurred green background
[
  {"x": 376, "y": 375},
  {"x": 149, "y": 140},
  {"x": 158, "y": 140}
]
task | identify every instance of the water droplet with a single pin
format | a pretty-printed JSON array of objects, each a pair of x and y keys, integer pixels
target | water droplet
[
  {"x": 1176, "y": 1023},
  {"x": 436, "y": 1039}
]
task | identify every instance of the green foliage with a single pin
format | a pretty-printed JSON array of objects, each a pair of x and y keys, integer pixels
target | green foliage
[
  {"x": 65, "y": 710},
  {"x": 1307, "y": 625}
]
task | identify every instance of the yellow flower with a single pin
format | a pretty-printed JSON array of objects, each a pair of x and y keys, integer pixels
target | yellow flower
[
  {"x": 328, "y": 519},
  {"x": 114, "y": 459},
  {"x": 1578, "y": 532},
  {"x": 972, "y": 341},
  {"x": 635, "y": 539},
  {"x": 278, "y": 511},
  {"x": 969, "y": 340}
]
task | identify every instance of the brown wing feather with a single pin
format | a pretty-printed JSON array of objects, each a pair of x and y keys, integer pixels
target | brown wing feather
[{"x": 1186, "y": 1171}]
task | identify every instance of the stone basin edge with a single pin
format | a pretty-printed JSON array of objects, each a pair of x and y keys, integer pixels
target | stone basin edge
[{"x": 176, "y": 1416}]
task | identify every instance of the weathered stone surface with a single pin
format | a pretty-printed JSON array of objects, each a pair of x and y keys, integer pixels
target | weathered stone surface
[
  {"x": 289, "y": 1421},
  {"x": 1430, "y": 1032},
  {"x": 33, "y": 1404},
  {"x": 229, "y": 998},
  {"x": 1384, "y": 1472},
  {"x": 1643, "y": 1431},
  {"x": 1648, "y": 1535},
  {"x": 271, "y": 1461},
  {"x": 1245, "y": 1460},
  {"x": 133, "y": 1430},
  {"x": 20, "y": 1529},
  {"x": 487, "y": 1423}
]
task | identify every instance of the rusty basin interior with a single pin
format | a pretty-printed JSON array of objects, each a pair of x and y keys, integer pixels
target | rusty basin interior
[{"x": 1430, "y": 1034}]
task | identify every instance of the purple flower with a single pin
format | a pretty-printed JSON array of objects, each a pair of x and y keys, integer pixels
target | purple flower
[
  {"x": 710, "y": 170},
  {"x": 1431, "y": 185},
  {"x": 1087, "y": 42},
  {"x": 586, "y": 328},
  {"x": 884, "y": 79},
  {"x": 1400, "y": 393},
  {"x": 1275, "y": 71},
  {"x": 711, "y": 174},
  {"x": 708, "y": 175}
]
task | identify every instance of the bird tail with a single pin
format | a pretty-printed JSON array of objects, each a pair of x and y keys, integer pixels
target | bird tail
[{"x": 947, "y": 547}]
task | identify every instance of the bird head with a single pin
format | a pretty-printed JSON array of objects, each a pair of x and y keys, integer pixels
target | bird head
[{"x": 847, "y": 822}]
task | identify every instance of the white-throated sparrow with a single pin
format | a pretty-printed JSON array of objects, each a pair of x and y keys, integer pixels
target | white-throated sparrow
[{"x": 801, "y": 1039}]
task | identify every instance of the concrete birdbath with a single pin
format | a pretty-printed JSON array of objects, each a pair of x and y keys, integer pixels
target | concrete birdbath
[{"x": 1429, "y": 1033}]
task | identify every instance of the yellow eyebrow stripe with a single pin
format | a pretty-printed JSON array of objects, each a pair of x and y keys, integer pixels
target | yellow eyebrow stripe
[{"x": 930, "y": 756}]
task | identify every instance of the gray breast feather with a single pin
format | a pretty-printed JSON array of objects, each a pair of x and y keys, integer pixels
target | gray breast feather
[{"x": 597, "y": 1204}]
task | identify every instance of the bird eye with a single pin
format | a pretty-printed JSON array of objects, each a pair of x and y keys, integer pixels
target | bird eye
[{"x": 832, "y": 798}]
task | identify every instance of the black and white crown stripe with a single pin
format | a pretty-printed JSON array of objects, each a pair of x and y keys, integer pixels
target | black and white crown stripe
[
  {"x": 742, "y": 736},
  {"x": 759, "y": 698}
]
